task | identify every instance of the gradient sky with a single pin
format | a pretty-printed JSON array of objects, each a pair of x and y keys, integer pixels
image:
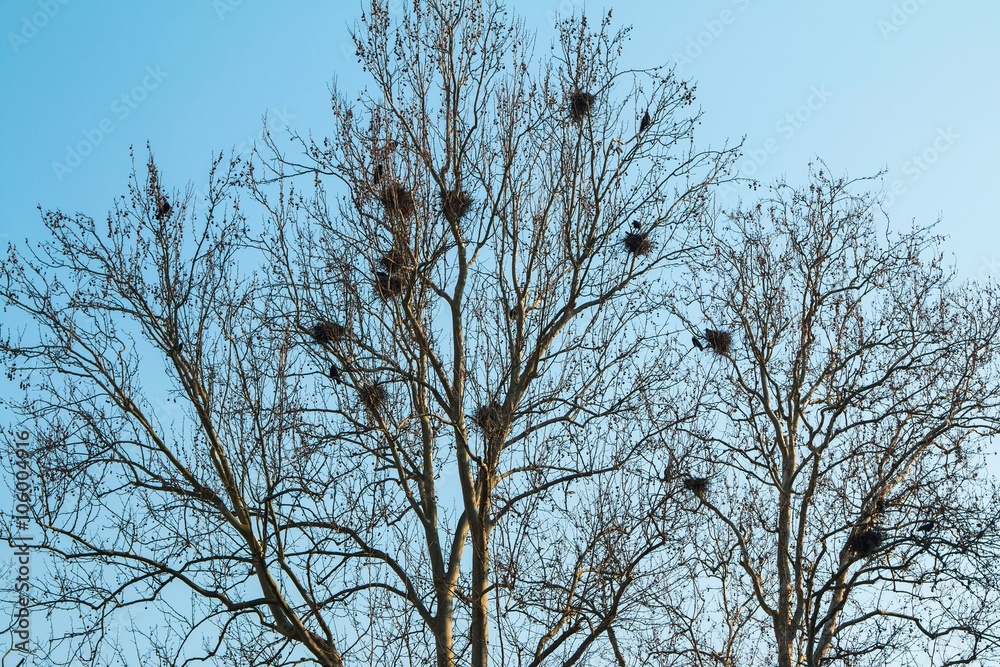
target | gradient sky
[
  {"x": 904, "y": 85},
  {"x": 907, "y": 85}
]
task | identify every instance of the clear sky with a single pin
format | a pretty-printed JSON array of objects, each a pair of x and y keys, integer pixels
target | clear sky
[
  {"x": 910, "y": 86},
  {"x": 907, "y": 85}
]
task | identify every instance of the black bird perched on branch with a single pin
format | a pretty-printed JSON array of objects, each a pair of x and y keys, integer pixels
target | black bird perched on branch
[
  {"x": 163, "y": 209},
  {"x": 697, "y": 343},
  {"x": 645, "y": 123},
  {"x": 334, "y": 373},
  {"x": 924, "y": 527},
  {"x": 636, "y": 225}
]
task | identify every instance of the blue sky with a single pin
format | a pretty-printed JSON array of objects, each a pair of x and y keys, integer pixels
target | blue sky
[
  {"x": 904, "y": 85},
  {"x": 909, "y": 86}
]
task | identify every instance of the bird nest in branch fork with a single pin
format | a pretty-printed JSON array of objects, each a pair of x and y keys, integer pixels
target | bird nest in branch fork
[
  {"x": 696, "y": 485},
  {"x": 397, "y": 200},
  {"x": 388, "y": 285},
  {"x": 865, "y": 542},
  {"x": 373, "y": 397},
  {"x": 325, "y": 332},
  {"x": 580, "y": 104},
  {"x": 720, "y": 341},
  {"x": 395, "y": 261},
  {"x": 455, "y": 204},
  {"x": 638, "y": 244},
  {"x": 490, "y": 418}
]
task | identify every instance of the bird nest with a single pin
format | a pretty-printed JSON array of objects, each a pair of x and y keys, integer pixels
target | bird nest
[
  {"x": 490, "y": 418},
  {"x": 395, "y": 261},
  {"x": 865, "y": 542},
  {"x": 720, "y": 341},
  {"x": 638, "y": 244},
  {"x": 580, "y": 104},
  {"x": 388, "y": 285},
  {"x": 325, "y": 332},
  {"x": 397, "y": 200},
  {"x": 696, "y": 485},
  {"x": 455, "y": 204},
  {"x": 373, "y": 397}
]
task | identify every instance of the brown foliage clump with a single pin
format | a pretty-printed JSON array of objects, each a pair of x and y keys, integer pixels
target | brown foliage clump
[
  {"x": 325, "y": 332},
  {"x": 395, "y": 261},
  {"x": 865, "y": 542},
  {"x": 455, "y": 204},
  {"x": 580, "y": 104},
  {"x": 397, "y": 200},
  {"x": 696, "y": 485},
  {"x": 720, "y": 341},
  {"x": 388, "y": 285},
  {"x": 638, "y": 244},
  {"x": 373, "y": 397},
  {"x": 490, "y": 418}
]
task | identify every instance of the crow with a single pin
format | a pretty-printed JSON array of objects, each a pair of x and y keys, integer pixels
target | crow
[
  {"x": 334, "y": 373},
  {"x": 924, "y": 527},
  {"x": 697, "y": 343},
  {"x": 646, "y": 122},
  {"x": 636, "y": 225},
  {"x": 163, "y": 209},
  {"x": 178, "y": 348}
]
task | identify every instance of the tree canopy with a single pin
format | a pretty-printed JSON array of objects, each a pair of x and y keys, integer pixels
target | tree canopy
[{"x": 488, "y": 375}]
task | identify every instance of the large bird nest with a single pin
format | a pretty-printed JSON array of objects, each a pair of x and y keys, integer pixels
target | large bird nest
[
  {"x": 395, "y": 261},
  {"x": 373, "y": 397},
  {"x": 720, "y": 341},
  {"x": 490, "y": 418},
  {"x": 865, "y": 542},
  {"x": 638, "y": 244},
  {"x": 388, "y": 285},
  {"x": 397, "y": 200},
  {"x": 696, "y": 485},
  {"x": 455, "y": 204},
  {"x": 325, "y": 332},
  {"x": 580, "y": 104}
]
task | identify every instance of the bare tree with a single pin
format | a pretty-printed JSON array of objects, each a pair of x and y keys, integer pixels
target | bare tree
[
  {"x": 431, "y": 427},
  {"x": 850, "y": 387}
]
